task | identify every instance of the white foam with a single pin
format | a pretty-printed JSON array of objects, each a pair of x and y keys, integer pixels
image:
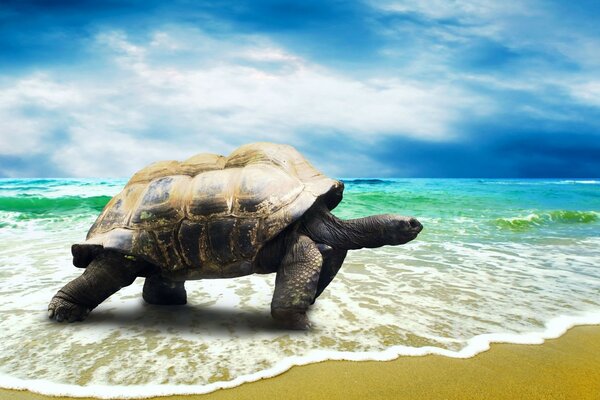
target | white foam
[
  {"x": 442, "y": 303},
  {"x": 583, "y": 182},
  {"x": 478, "y": 344},
  {"x": 535, "y": 182}
]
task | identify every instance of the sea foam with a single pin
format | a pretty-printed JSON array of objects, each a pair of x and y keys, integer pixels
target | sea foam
[{"x": 478, "y": 344}]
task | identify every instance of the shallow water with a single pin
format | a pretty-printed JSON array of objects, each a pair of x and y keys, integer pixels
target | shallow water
[{"x": 509, "y": 260}]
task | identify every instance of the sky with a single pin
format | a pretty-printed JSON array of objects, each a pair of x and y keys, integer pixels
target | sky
[{"x": 438, "y": 88}]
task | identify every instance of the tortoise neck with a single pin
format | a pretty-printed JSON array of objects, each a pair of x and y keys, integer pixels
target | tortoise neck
[
  {"x": 323, "y": 227},
  {"x": 370, "y": 232}
]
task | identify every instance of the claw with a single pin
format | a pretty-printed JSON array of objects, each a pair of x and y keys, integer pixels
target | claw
[
  {"x": 61, "y": 309},
  {"x": 300, "y": 325}
]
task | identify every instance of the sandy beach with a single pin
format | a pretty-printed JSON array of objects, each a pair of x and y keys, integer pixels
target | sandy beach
[{"x": 563, "y": 368}]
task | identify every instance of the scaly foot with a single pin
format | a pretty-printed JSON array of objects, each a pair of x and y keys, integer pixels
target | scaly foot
[
  {"x": 62, "y": 309},
  {"x": 291, "y": 319}
]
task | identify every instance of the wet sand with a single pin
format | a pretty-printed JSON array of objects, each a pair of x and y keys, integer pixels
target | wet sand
[{"x": 563, "y": 368}]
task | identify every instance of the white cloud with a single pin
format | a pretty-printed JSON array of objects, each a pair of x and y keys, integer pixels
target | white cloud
[
  {"x": 464, "y": 10},
  {"x": 30, "y": 111},
  {"x": 587, "y": 93},
  {"x": 531, "y": 26},
  {"x": 149, "y": 107},
  {"x": 20, "y": 135},
  {"x": 294, "y": 95},
  {"x": 91, "y": 153}
]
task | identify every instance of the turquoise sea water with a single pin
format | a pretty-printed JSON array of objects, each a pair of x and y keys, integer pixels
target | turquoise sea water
[{"x": 498, "y": 260}]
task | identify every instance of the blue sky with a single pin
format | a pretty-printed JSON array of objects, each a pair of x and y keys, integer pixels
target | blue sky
[{"x": 372, "y": 88}]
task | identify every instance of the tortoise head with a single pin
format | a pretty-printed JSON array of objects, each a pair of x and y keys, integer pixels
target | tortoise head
[{"x": 398, "y": 229}]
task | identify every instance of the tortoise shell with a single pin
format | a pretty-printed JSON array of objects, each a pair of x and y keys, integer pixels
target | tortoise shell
[{"x": 209, "y": 215}]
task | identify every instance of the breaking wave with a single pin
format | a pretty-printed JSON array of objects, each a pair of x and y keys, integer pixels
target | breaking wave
[
  {"x": 37, "y": 206},
  {"x": 546, "y": 218}
]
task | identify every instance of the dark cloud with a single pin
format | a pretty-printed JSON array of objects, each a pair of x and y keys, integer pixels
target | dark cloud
[{"x": 524, "y": 154}]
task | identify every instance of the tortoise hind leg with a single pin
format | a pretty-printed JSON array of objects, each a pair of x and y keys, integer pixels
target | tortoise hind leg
[
  {"x": 296, "y": 283},
  {"x": 104, "y": 276},
  {"x": 161, "y": 291}
]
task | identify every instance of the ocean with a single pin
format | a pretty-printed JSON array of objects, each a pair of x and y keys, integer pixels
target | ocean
[{"x": 499, "y": 260}]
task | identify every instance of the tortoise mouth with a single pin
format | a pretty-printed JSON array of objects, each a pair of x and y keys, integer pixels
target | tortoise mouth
[
  {"x": 408, "y": 238},
  {"x": 415, "y": 225}
]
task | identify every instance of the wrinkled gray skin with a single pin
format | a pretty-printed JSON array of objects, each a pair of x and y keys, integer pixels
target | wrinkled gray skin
[{"x": 306, "y": 257}]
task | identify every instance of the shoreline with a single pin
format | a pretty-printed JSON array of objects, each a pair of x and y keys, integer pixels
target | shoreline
[{"x": 566, "y": 367}]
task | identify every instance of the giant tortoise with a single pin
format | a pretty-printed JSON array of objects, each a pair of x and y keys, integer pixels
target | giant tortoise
[{"x": 263, "y": 209}]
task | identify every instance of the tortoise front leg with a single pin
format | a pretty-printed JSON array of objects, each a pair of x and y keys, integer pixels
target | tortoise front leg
[
  {"x": 105, "y": 275},
  {"x": 296, "y": 283},
  {"x": 332, "y": 262}
]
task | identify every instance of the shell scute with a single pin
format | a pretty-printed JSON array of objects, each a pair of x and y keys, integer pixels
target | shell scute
[
  {"x": 211, "y": 194},
  {"x": 161, "y": 203},
  {"x": 118, "y": 210},
  {"x": 168, "y": 244},
  {"x": 155, "y": 170},
  {"x": 247, "y": 237},
  {"x": 263, "y": 189},
  {"x": 220, "y": 232},
  {"x": 190, "y": 235}
]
